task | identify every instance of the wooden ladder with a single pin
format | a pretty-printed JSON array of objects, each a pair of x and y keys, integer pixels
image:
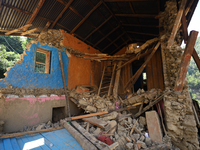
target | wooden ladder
[{"x": 107, "y": 79}]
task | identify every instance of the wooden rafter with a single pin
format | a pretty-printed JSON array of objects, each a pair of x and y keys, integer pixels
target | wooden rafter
[
  {"x": 19, "y": 34},
  {"x": 106, "y": 36},
  {"x": 176, "y": 24},
  {"x": 30, "y": 31},
  {"x": 46, "y": 26},
  {"x": 184, "y": 27},
  {"x": 142, "y": 33},
  {"x": 60, "y": 15},
  {"x": 116, "y": 20},
  {"x": 81, "y": 22},
  {"x": 37, "y": 9},
  {"x": 137, "y": 25},
  {"x": 113, "y": 41},
  {"x": 97, "y": 28},
  {"x": 16, "y": 30},
  {"x": 137, "y": 15}
]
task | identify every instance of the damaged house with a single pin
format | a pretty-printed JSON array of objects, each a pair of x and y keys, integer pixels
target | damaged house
[{"x": 99, "y": 74}]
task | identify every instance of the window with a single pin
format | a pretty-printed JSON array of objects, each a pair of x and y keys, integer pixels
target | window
[{"x": 42, "y": 61}]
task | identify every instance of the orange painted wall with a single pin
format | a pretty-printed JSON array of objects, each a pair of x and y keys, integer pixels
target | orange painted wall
[{"x": 79, "y": 71}]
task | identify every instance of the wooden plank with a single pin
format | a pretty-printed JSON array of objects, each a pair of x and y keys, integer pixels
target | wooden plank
[
  {"x": 97, "y": 122},
  {"x": 196, "y": 59},
  {"x": 36, "y": 11},
  {"x": 14, "y": 143},
  {"x": 154, "y": 72},
  {"x": 64, "y": 83},
  {"x": 117, "y": 77},
  {"x": 135, "y": 58},
  {"x": 136, "y": 15},
  {"x": 47, "y": 63},
  {"x": 30, "y": 31},
  {"x": 100, "y": 145},
  {"x": 176, "y": 24},
  {"x": 85, "y": 144},
  {"x": 138, "y": 73},
  {"x": 81, "y": 22},
  {"x": 160, "y": 70},
  {"x": 60, "y": 15},
  {"x": 112, "y": 79},
  {"x": 16, "y": 30},
  {"x": 185, "y": 61},
  {"x": 101, "y": 80}
]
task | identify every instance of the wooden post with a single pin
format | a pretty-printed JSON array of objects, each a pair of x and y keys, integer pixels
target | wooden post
[
  {"x": 176, "y": 24},
  {"x": 138, "y": 73},
  {"x": 64, "y": 83},
  {"x": 185, "y": 61},
  {"x": 112, "y": 79},
  {"x": 116, "y": 84}
]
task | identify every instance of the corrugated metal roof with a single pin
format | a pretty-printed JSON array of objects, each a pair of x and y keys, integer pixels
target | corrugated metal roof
[
  {"x": 16, "y": 13},
  {"x": 54, "y": 140}
]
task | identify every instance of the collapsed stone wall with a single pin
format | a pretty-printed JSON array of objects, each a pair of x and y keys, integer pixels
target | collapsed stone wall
[{"x": 179, "y": 115}]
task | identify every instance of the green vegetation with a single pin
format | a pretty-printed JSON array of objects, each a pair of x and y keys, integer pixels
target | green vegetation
[
  {"x": 193, "y": 75},
  {"x": 10, "y": 49}
]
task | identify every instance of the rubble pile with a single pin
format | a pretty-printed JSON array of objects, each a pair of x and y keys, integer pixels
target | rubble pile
[
  {"x": 92, "y": 103},
  {"x": 47, "y": 125},
  {"x": 129, "y": 133}
]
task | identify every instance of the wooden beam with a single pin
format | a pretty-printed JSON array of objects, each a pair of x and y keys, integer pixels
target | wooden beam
[
  {"x": 60, "y": 15},
  {"x": 37, "y": 9},
  {"x": 16, "y": 30},
  {"x": 81, "y": 22},
  {"x": 185, "y": 61},
  {"x": 97, "y": 28},
  {"x": 176, "y": 24},
  {"x": 196, "y": 59},
  {"x": 138, "y": 25},
  {"x": 143, "y": 33},
  {"x": 113, "y": 41},
  {"x": 30, "y": 31},
  {"x": 136, "y": 15},
  {"x": 46, "y": 26},
  {"x": 116, "y": 84},
  {"x": 127, "y": 0},
  {"x": 106, "y": 36},
  {"x": 140, "y": 70},
  {"x": 135, "y": 58}
]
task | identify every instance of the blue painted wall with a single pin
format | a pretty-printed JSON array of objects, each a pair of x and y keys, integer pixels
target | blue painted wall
[{"x": 24, "y": 75}]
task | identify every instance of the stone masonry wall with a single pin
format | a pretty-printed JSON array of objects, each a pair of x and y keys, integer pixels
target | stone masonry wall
[{"x": 179, "y": 117}]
